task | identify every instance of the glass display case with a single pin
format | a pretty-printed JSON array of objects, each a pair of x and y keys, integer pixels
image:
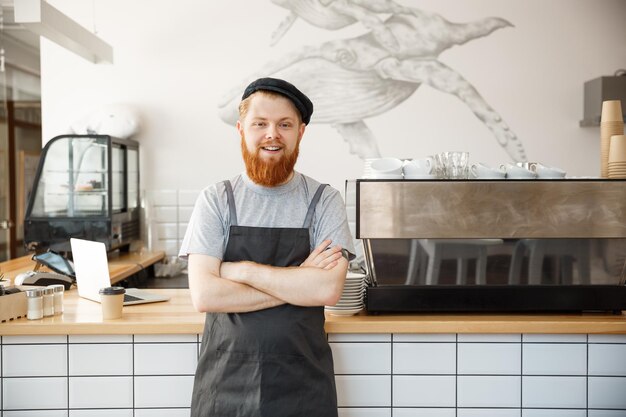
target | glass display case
[
  {"x": 87, "y": 186},
  {"x": 493, "y": 245}
]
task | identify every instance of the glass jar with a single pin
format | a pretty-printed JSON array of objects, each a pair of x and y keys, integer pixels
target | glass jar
[
  {"x": 59, "y": 290},
  {"x": 48, "y": 302},
  {"x": 34, "y": 300}
]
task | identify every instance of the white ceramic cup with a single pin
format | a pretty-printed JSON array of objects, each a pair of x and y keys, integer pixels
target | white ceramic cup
[
  {"x": 386, "y": 166},
  {"x": 545, "y": 171},
  {"x": 517, "y": 173},
  {"x": 423, "y": 166},
  {"x": 484, "y": 171}
]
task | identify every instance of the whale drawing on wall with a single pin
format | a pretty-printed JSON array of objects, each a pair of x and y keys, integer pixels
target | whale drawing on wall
[{"x": 352, "y": 79}]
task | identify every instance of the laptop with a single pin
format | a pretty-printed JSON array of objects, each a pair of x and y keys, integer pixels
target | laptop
[{"x": 92, "y": 273}]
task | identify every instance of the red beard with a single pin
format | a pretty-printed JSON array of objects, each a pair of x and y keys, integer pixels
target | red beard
[{"x": 268, "y": 173}]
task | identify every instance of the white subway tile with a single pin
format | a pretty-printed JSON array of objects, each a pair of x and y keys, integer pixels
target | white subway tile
[
  {"x": 34, "y": 393},
  {"x": 551, "y": 412},
  {"x": 489, "y": 358},
  {"x": 359, "y": 337},
  {"x": 487, "y": 338},
  {"x": 554, "y": 338},
  {"x": 424, "y": 412},
  {"x": 182, "y": 229},
  {"x": 554, "y": 392},
  {"x": 427, "y": 337},
  {"x": 35, "y": 413},
  {"x": 167, "y": 231},
  {"x": 8, "y": 340},
  {"x": 166, "y": 359},
  {"x": 363, "y": 390},
  {"x": 165, "y": 214},
  {"x": 488, "y": 412},
  {"x": 162, "y": 197},
  {"x": 606, "y": 413},
  {"x": 102, "y": 413},
  {"x": 167, "y": 412},
  {"x": 170, "y": 247},
  {"x": 365, "y": 412},
  {"x": 163, "y": 391},
  {"x": 607, "y": 392},
  {"x": 101, "y": 338},
  {"x": 424, "y": 358},
  {"x": 424, "y": 391},
  {"x": 166, "y": 338},
  {"x": 554, "y": 359},
  {"x": 184, "y": 214},
  {"x": 104, "y": 359},
  {"x": 607, "y": 338},
  {"x": 101, "y": 392},
  {"x": 606, "y": 359},
  {"x": 488, "y": 391},
  {"x": 362, "y": 358},
  {"x": 34, "y": 360},
  {"x": 188, "y": 197}
]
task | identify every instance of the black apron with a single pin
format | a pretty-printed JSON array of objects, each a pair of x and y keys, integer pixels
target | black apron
[{"x": 268, "y": 363}]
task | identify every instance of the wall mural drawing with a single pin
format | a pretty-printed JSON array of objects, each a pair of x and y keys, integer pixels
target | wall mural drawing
[{"x": 350, "y": 80}]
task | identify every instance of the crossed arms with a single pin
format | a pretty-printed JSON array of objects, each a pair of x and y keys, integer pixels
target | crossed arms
[{"x": 238, "y": 287}]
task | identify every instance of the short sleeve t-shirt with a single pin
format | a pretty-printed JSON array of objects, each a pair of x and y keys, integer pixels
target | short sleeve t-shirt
[{"x": 258, "y": 206}]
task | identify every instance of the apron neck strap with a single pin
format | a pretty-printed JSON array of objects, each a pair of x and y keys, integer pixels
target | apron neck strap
[
  {"x": 231, "y": 203},
  {"x": 308, "y": 220}
]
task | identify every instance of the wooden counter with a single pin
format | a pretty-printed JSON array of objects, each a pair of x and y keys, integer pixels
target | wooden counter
[
  {"x": 178, "y": 316},
  {"x": 121, "y": 266}
]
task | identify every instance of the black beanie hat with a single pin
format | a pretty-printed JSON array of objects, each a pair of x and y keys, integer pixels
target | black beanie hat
[{"x": 282, "y": 87}]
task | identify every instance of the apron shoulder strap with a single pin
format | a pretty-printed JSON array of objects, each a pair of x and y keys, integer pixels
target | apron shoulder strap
[
  {"x": 231, "y": 203},
  {"x": 308, "y": 220}
]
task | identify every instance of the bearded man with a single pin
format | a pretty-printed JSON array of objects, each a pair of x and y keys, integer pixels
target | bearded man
[{"x": 267, "y": 250}]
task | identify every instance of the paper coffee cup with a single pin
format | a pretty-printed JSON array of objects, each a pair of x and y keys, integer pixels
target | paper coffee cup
[
  {"x": 612, "y": 111},
  {"x": 112, "y": 301}
]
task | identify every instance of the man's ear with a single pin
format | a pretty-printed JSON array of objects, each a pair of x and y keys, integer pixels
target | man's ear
[
  {"x": 239, "y": 128},
  {"x": 301, "y": 131}
]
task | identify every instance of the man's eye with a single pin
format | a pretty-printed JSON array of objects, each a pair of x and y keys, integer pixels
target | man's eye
[
  {"x": 285, "y": 125},
  {"x": 258, "y": 124}
]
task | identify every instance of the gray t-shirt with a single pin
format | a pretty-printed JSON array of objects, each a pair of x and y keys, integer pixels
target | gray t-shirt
[{"x": 258, "y": 206}]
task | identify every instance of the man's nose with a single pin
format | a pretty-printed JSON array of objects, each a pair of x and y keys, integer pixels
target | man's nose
[{"x": 272, "y": 131}]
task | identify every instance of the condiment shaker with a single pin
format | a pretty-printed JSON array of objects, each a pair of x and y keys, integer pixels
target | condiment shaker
[
  {"x": 34, "y": 299},
  {"x": 48, "y": 301},
  {"x": 59, "y": 289}
]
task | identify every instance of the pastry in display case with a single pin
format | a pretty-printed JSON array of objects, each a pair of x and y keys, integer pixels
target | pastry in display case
[{"x": 86, "y": 186}]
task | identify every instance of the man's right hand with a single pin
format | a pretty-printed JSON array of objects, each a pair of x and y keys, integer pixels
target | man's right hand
[{"x": 324, "y": 257}]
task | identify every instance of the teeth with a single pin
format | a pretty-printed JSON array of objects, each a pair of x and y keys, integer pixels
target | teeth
[{"x": 272, "y": 148}]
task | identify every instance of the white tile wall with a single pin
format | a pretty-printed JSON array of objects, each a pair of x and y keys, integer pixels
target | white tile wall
[
  {"x": 424, "y": 391},
  {"x": 488, "y": 391},
  {"x": 34, "y": 393},
  {"x": 428, "y": 337},
  {"x": 165, "y": 359},
  {"x": 607, "y": 392},
  {"x": 426, "y": 380},
  {"x": 363, "y": 390},
  {"x": 35, "y": 413},
  {"x": 489, "y": 358},
  {"x": 359, "y": 337},
  {"x": 101, "y": 413},
  {"x": 602, "y": 359},
  {"x": 553, "y": 413},
  {"x": 486, "y": 412},
  {"x": 362, "y": 358},
  {"x": 168, "y": 412},
  {"x": 554, "y": 338},
  {"x": 101, "y": 359},
  {"x": 163, "y": 391},
  {"x": 554, "y": 392},
  {"x": 101, "y": 392},
  {"x": 365, "y": 412},
  {"x": 424, "y": 412},
  {"x": 555, "y": 359},
  {"x": 34, "y": 360},
  {"x": 424, "y": 358}
]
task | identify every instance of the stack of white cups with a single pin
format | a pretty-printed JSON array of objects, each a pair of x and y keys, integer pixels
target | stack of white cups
[{"x": 351, "y": 301}]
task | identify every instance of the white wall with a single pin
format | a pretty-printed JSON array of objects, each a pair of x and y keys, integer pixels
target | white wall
[{"x": 174, "y": 60}]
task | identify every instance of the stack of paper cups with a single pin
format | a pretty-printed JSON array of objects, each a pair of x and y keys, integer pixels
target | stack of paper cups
[
  {"x": 617, "y": 157},
  {"x": 611, "y": 123}
]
